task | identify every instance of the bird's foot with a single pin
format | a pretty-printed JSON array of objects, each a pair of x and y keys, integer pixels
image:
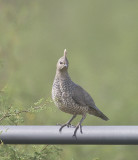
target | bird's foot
[
  {"x": 81, "y": 129},
  {"x": 68, "y": 125},
  {"x": 64, "y": 125},
  {"x": 76, "y": 129},
  {"x": 60, "y": 129}
]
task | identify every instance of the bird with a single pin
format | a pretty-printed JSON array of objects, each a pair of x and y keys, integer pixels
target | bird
[{"x": 71, "y": 98}]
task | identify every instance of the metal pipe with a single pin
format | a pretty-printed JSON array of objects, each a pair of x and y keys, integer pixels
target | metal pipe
[{"x": 51, "y": 135}]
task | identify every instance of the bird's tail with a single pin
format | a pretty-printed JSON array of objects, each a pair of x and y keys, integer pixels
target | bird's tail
[
  {"x": 98, "y": 113},
  {"x": 102, "y": 116}
]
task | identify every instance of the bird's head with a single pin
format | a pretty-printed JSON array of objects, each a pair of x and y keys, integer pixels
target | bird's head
[{"x": 62, "y": 64}]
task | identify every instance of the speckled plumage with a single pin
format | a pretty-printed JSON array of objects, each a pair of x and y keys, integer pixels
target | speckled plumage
[
  {"x": 62, "y": 92},
  {"x": 70, "y": 97}
]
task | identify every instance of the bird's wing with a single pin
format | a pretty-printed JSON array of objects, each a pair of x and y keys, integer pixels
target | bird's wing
[{"x": 81, "y": 97}]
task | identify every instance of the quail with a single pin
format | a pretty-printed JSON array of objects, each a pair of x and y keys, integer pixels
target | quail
[{"x": 71, "y": 98}]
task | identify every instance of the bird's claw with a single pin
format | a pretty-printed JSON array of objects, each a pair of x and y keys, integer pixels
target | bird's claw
[
  {"x": 68, "y": 125},
  {"x": 64, "y": 125},
  {"x": 81, "y": 129},
  {"x": 76, "y": 129},
  {"x": 60, "y": 129}
]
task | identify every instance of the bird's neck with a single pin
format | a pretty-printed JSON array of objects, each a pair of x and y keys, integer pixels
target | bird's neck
[{"x": 63, "y": 75}]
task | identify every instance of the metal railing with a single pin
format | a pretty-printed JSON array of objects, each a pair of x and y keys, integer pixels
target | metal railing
[{"x": 51, "y": 135}]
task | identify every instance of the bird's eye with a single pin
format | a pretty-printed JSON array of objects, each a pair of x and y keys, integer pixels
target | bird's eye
[{"x": 61, "y": 62}]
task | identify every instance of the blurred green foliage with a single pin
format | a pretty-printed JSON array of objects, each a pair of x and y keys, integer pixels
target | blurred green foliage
[
  {"x": 101, "y": 39},
  {"x": 14, "y": 115}
]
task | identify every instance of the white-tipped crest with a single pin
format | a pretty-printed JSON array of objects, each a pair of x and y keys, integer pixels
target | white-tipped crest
[{"x": 65, "y": 52}]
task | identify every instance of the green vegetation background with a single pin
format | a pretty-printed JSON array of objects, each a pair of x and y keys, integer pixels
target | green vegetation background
[{"x": 101, "y": 38}]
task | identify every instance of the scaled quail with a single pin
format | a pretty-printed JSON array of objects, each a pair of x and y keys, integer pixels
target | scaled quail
[{"x": 70, "y": 97}]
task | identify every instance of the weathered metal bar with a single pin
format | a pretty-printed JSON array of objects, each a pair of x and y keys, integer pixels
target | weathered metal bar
[{"x": 50, "y": 135}]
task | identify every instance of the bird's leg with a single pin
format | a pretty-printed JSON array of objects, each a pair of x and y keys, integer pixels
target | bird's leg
[
  {"x": 79, "y": 125},
  {"x": 68, "y": 123}
]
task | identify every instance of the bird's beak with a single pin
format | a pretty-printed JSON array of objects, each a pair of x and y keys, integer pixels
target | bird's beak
[{"x": 65, "y": 65}]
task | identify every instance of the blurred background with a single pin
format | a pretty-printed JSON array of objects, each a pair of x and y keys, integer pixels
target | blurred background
[{"x": 101, "y": 38}]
